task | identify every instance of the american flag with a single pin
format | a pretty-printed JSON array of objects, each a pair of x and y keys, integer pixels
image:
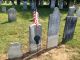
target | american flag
[{"x": 35, "y": 17}]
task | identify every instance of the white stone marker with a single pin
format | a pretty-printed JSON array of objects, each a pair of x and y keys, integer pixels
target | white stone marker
[
  {"x": 14, "y": 50},
  {"x": 33, "y": 32}
]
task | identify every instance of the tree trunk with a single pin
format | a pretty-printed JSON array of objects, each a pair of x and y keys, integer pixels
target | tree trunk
[
  {"x": 18, "y": 2},
  {"x": 56, "y": 4},
  {"x": 12, "y": 1},
  {"x": 49, "y": 3},
  {"x": 37, "y": 3},
  {"x": 68, "y": 2}
]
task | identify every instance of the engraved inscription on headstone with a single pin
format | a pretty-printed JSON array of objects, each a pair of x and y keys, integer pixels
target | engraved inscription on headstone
[
  {"x": 72, "y": 10},
  {"x": 69, "y": 28},
  {"x": 52, "y": 3},
  {"x": 4, "y": 9},
  {"x": 14, "y": 50},
  {"x": 12, "y": 14},
  {"x": 35, "y": 33},
  {"x": 53, "y": 28}
]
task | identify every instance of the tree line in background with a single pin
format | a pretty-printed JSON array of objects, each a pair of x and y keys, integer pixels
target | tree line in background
[{"x": 66, "y": 3}]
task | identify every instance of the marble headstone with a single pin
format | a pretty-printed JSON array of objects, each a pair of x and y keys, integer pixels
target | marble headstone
[
  {"x": 24, "y": 5},
  {"x": 12, "y": 14},
  {"x": 69, "y": 28},
  {"x": 71, "y": 10},
  {"x": 4, "y": 9},
  {"x": 33, "y": 32},
  {"x": 53, "y": 28},
  {"x": 52, "y": 3},
  {"x": 14, "y": 50}
]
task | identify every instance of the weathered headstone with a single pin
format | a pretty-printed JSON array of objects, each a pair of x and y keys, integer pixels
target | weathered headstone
[
  {"x": 52, "y": 3},
  {"x": 0, "y": 1},
  {"x": 12, "y": 14},
  {"x": 78, "y": 12},
  {"x": 14, "y": 50},
  {"x": 33, "y": 5},
  {"x": 71, "y": 10},
  {"x": 53, "y": 28},
  {"x": 69, "y": 28},
  {"x": 61, "y": 4},
  {"x": 35, "y": 33},
  {"x": 4, "y": 9},
  {"x": 24, "y": 5}
]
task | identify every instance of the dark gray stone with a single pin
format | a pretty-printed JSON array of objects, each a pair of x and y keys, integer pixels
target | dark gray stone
[
  {"x": 14, "y": 50},
  {"x": 35, "y": 33},
  {"x": 69, "y": 28},
  {"x": 53, "y": 28},
  {"x": 12, "y": 14}
]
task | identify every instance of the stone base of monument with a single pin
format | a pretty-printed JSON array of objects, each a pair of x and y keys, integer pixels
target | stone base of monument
[{"x": 35, "y": 32}]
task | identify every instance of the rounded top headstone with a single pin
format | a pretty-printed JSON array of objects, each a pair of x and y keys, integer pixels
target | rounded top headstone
[{"x": 12, "y": 10}]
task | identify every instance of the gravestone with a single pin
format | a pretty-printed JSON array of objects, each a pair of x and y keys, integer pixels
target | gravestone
[
  {"x": 69, "y": 28},
  {"x": 4, "y": 9},
  {"x": 71, "y": 10},
  {"x": 24, "y": 5},
  {"x": 53, "y": 28},
  {"x": 52, "y": 4},
  {"x": 33, "y": 5},
  {"x": 61, "y": 4},
  {"x": 0, "y": 1},
  {"x": 12, "y": 14},
  {"x": 78, "y": 12},
  {"x": 14, "y": 50},
  {"x": 35, "y": 33}
]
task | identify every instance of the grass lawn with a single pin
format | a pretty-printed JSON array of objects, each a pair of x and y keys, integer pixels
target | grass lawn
[{"x": 19, "y": 31}]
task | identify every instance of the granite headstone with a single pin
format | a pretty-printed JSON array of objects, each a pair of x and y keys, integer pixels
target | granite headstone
[
  {"x": 4, "y": 9},
  {"x": 24, "y": 5},
  {"x": 53, "y": 28},
  {"x": 52, "y": 4},
  {"x": 61, "y": 4},
  {"x": 12, "y": 14},
  {"x": 69, "y": 28}
]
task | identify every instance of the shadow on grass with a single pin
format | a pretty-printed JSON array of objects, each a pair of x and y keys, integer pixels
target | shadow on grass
[{"x": 5, "y": 22}]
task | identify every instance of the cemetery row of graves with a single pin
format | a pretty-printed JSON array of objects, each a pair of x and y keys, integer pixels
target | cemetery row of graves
[{"x": 36, "y": 30}]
